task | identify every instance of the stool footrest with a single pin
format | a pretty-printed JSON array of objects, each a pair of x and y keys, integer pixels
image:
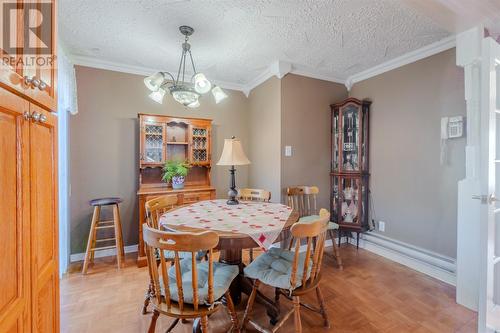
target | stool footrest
[
  {"x": 103, "y": 248},
  {"x": 106, "y": 221},
  {"x": 105, "y": 226},
  {"x": 105, "y": 239}
]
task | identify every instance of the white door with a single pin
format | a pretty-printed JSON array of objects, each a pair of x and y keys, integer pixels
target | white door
[{"x": 489, "y": 293}]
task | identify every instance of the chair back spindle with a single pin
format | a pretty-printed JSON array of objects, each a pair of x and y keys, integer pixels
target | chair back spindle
[{"x": 157, "y": 241}]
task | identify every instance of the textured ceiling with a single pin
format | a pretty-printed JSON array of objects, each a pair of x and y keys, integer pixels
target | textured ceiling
[{"x": 234, "y": 41}]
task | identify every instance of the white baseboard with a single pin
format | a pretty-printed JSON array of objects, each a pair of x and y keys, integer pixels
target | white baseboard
[
  {"x": 424, "y": 261},
  {"x": 103, "y": 253},
  {"x": 133, "y": 248},
  {"x": 430, "y": 263}
]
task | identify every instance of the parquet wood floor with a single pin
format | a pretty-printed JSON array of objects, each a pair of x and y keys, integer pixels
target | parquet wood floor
[{"x": 371, "y": 294}]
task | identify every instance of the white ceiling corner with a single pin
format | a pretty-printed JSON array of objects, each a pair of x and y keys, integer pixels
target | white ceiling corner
[{"x": 240, "y": 44}]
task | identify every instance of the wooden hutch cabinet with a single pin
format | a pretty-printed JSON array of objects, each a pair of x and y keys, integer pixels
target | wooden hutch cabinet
[
  {"x": 349, "y": 165},
  {"x": 164, "y": 138},
  {"x": 29, "y": 278}
]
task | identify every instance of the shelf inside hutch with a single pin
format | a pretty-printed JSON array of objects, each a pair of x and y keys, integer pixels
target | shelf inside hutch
[
  {"x": 177, "y": 132},
  {"x": 198, "y": 175},
  {"x": 177, "y": 152}
]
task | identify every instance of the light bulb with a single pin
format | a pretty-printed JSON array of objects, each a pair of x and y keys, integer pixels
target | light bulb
[
  {"x": 157, "y": 96},
  {"x": 201, "y": 83},
  {"x": 154, "y": 81},
  {"x": 218, "y": 94},
  {"x": 194, "y": 105}
]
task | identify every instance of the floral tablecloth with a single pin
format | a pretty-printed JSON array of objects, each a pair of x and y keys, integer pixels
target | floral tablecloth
[{"x": 259, "y": 220}]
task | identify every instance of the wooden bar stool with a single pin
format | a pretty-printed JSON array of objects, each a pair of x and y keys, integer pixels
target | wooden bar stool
[{"x": 98, "y": 225}]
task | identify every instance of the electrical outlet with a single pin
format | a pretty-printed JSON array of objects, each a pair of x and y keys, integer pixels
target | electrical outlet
[
  {"x": 381, "y": 226},
  {"x": 288, "y": 150}
]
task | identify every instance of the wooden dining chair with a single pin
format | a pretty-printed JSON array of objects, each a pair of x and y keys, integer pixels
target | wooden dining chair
[
  {"x": 303, "y": 199},
  {"x": 253, "y": 194},
  {"x": 154, "y": 209},
  {"x": 190, "y": 288},
  {"x": 292, "y": 273}
]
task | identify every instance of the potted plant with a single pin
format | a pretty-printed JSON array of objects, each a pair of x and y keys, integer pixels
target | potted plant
[{"x": 175, "y": 172}]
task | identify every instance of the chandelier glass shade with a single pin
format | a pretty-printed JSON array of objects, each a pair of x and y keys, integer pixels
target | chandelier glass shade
[{"x": 185, "y": 93}]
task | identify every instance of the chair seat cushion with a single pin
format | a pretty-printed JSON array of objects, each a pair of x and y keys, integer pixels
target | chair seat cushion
[
  {"x": 223, "y": 276},
  {"x": 312, "y": 218},
  {"x": 274, "y": 268},
  {"x": 105, "y": 201}
]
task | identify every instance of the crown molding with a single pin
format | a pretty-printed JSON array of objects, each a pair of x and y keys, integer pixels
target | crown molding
[
  {"x": 315, "y": 75},
  {"x": 277, "y": 68},
  {"x": 408, "y": 58},
  {"x": 281, "y": 68},
  {"x": 137, "y": 70},
  {"x": 112, "y": 65}
]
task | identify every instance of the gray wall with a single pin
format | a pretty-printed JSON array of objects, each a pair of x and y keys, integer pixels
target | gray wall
[
  {"x": 265, "y": 137},
  {"x": 104, "y": 143},
  {"x": 411, "y": 191},
  {"x": 305, "y": 123}
]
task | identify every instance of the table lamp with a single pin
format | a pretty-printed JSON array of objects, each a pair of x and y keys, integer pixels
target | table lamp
[{"x": 232, "y": 154}]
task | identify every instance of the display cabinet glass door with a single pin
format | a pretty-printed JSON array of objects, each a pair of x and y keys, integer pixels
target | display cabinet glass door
[
  {"x": 154, "y": 148},
  {"x": 350, "y": 138},
  {"x": 335, "y": 141},
  {"x": 347, "y": 199},
  {"x": 200, "y": 145}
]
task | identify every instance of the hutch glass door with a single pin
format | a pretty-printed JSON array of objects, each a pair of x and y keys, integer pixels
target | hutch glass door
[
  {"x": 200, "y": 145},
  {"x": 153, "y": 143}
]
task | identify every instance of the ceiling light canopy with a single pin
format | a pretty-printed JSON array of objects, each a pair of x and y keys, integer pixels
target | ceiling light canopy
[{"x": 186, "y": 93}]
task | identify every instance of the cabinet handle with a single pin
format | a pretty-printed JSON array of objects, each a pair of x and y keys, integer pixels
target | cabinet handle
[
  {"x": 28, "y": 80},
  {"x": 42, "y": 85},
  {"x": 26, "y": 115},
  {"x": 36, "y": 116},
  {"x": 34, "y": 82},
  {"x": 43, "y": 118}
]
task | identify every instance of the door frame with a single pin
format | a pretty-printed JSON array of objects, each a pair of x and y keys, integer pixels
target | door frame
[{"x": 489, "y": 311}]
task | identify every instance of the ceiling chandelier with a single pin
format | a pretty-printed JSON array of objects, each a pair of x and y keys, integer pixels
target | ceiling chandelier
[{"x": 186, "y": 93}]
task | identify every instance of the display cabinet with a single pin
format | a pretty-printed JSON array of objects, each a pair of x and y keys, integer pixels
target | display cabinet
[
  {"x": 349, "y": 165},
  {"x": 164, "y": 138}
]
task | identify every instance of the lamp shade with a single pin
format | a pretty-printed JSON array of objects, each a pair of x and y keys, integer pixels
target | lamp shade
[
  {"x": 154, "y": 81},
  {"x": 233, "y": 154}
]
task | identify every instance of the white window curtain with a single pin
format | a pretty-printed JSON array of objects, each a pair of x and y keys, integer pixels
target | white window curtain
[
  {"x": 67, "y": 105},
  {"x": 66, "y": 83}
]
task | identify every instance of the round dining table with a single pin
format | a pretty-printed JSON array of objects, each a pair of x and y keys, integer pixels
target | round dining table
[{"x": 226, "y": 221}]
